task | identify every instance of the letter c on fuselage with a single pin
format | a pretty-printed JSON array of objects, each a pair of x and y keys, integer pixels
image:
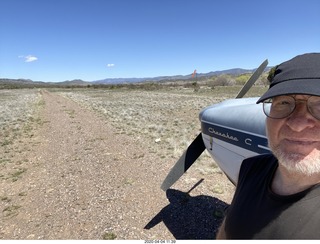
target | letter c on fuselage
[{"x": 248, "y": 141}]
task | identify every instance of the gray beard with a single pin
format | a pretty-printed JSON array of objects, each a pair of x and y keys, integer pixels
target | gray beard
[{"x": 296, "y": 163}]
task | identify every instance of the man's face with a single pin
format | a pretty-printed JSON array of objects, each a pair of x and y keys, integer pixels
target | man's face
[{"x": 295, "y": 140}]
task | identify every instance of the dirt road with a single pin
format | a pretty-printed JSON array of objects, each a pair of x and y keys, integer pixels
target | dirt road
[{"x": 75, "y": 178}]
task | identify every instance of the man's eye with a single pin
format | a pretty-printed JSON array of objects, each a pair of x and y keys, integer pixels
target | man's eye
[
  {"x": 281, "y": 103},
  {"x": 285, "y": 102}
]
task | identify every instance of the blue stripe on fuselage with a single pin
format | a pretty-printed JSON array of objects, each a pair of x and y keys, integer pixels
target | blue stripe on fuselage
[{"x": 243, "y": 139}]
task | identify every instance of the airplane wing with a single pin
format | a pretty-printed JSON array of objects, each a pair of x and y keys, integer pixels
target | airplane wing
[{"x": 196, "y": 148}]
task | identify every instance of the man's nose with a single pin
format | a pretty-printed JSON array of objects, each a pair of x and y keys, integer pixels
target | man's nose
[{"x": 301, "y": 118}]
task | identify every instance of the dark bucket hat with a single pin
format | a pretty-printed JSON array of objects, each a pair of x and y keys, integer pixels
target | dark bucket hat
[{"x": 300, "y": 75}]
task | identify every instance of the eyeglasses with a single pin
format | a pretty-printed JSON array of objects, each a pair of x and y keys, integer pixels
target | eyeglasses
[{"x": 283, "y": 106}]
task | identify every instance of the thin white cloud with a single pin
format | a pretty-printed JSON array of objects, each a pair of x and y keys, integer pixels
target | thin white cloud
[
  {"x": 110, "y": 65},
  {"x": 29, "y": 58}
]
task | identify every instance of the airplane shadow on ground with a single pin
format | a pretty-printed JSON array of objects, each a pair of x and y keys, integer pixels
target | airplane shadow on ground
[{"x": 187, "y": 217}]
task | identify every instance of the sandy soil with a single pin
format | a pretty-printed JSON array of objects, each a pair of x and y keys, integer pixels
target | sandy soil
[{"x": 72, "y": 175}]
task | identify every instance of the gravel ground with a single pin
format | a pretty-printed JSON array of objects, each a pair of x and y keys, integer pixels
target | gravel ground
[{"x": 70, "y": 174}]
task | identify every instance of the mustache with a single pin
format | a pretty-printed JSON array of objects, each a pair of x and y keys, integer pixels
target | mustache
[{"x": 302, "y": 136}]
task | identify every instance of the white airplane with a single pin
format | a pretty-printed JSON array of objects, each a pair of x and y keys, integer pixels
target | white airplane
[{"x": 231, "y": 131}]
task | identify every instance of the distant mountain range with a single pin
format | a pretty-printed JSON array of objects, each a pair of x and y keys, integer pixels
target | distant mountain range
[
  {"x": 236, "y": 71},
  {"x": 77, "y": 82}
]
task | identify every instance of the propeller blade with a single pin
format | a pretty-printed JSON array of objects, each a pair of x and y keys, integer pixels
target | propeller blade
[
  {"x": 252, "y": 79},
  {"x": 194, "y": 150}
]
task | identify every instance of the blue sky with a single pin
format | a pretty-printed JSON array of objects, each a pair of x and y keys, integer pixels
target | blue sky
[{"x": 57, "y": 40}]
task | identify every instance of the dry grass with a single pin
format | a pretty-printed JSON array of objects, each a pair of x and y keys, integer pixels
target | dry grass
[
  {"x": 18, "y": 118},
  {"x": 169, "y": 119},
  {"x": 166, "y": 119}
]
